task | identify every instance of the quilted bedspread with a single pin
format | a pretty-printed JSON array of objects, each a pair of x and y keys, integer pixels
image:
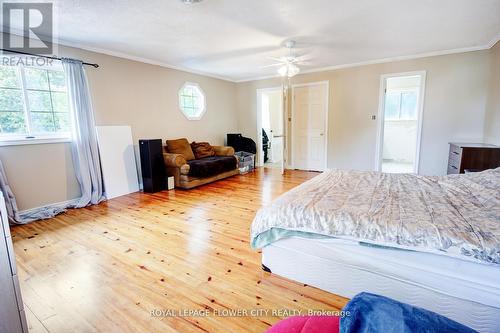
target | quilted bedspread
[{"x": 454, "y": 215}]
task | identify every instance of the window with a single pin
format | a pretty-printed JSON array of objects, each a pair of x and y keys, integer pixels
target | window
[
  {"x": 401, "y": 105},
  {"x": 192, "y": 101},
  {"x": 33, "y": 103}
]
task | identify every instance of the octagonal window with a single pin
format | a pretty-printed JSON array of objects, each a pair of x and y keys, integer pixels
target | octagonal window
[{"x": 192, "y": 101}]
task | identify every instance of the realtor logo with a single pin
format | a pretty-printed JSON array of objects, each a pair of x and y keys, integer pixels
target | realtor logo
[{"x": 27, "y": 27}]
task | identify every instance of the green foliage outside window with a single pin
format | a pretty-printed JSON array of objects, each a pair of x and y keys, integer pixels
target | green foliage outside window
[{"x": 33, "y": 101}]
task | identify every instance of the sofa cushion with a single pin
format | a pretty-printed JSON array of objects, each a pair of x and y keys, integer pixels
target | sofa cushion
[
  {"x": 211, "y": 166},
  {"x": 202, "y": 149},
  {"x": 180, "y": 146}
]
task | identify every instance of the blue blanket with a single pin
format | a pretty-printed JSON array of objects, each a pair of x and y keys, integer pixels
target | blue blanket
[{"x": 373, "y": 313}]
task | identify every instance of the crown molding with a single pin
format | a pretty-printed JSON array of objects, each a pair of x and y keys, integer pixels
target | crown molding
[
  {"x": 385, "y": 60},
  {"x": 127, "y": 56},
  {"x": 495, "y": 40},
  {"x": 141, "y": 59}
]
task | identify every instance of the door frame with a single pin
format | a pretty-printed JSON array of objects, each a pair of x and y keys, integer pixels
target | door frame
[
  {"x": 381, "y": 115},
  {"x": 326, "y": 84},
  {"x": 260, "y": 92}
]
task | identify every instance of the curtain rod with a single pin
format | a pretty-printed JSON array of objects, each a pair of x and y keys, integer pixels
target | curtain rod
[{"x": 47, "y": 57}]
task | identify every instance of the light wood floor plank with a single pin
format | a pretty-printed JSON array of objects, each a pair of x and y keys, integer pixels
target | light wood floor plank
[{"x": 105, "y": 268}]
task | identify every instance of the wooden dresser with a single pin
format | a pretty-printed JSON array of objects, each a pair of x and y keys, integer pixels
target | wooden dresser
[{"x": 473, "y": 157}]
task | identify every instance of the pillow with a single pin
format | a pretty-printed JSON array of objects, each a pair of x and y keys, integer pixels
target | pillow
[
  {"x": 202, "y": 150},
  {"x": 180, "y": 146}
]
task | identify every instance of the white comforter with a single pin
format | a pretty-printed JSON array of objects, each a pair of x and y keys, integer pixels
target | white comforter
[{"x": 455, "y": 215}]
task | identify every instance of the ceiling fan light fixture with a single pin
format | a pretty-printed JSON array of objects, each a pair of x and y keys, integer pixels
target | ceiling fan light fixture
[
  {"x": 283, "y": 70},
  {"x": 289, "y": 70},
  {"x": 293, "y": 70}
]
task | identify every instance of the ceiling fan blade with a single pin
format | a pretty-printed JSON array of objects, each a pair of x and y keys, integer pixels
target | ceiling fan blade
[
  {"x": 303, "y": 63},
  {"x": 281, "y": 59},
  {"x": 304, "y": 57},
  {"x": 231, "y": 54},
  {"x": 272, "y": 65}
]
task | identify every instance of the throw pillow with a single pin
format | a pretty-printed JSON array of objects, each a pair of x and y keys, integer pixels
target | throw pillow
[
  {"x": 202, "y": 150},
  {"x": 180, "y": 146}
]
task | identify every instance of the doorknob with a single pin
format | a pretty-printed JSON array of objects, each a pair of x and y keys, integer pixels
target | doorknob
[{"x": 321, "y": 134}]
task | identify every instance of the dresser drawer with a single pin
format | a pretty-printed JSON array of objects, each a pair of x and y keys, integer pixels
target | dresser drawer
[
  {"x": 453, "y": 170},
  {"x": 456, "y": 150},
  {"x": 454, "y": 160},
  {"x": 472, "y": 156}
]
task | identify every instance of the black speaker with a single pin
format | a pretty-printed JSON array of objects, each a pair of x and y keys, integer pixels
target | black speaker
[{"x": 152, "y": 166}]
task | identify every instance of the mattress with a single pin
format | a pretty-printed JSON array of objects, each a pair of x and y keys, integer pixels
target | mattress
[
  {"x": 464, "y": 291},
  {"x": 459, "y": 278},
  {"x": 456, "y": 215}
]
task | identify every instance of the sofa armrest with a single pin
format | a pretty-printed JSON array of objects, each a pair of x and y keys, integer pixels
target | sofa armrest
[
  {"x": 223, "y": 150},
  {"x": 184, "y": 169},
  {"x": 173, "y": 160}
]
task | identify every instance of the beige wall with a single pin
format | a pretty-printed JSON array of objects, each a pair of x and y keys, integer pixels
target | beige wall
[
  {"x": 124, "y": 93},
  {"x": 492, "y": 122},
  {"x": 454, "y": 108},
  {"x": 145, "y": 97}
]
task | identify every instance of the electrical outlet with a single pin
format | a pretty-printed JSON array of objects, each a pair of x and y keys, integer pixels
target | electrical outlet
[{"x": 374, "y": 117}]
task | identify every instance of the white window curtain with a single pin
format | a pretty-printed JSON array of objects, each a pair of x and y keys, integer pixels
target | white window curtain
[
  {"x": 85, "y": 152},
  {"x": 86, "y": 158}
]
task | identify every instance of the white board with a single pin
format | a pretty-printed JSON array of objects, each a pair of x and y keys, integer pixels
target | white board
[{"x": 119, "y": 169}]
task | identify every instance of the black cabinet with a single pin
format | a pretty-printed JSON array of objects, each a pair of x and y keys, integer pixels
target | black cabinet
[{"x": 152, "y": 165}]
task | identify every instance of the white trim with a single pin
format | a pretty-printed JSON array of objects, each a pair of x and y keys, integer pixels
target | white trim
[
  {"x": 149, "y": 61},
  {"x": 127, "y": 56},
  {"x": 380, "y": 122},
  {"x": 327, "y": 109},
  {"x": 383, "y": 60},
  {"x": 32, "y": 141},
  {"x": 260, "y": 159},
  {"x": 495, "y": 40},
  {"x": 142, "y": 59},
  {"x": 52, "y": 205}
]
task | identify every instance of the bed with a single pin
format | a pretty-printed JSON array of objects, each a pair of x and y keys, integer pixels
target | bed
[{"x": 433, "y": 242}]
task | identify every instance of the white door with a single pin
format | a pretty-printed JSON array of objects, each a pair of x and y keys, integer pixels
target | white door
[{"x": 309, "y": 124}]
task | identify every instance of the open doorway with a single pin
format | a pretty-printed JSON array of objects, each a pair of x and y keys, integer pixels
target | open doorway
[
  {"x": 270, "y": 127},
  {"x": 400, "y": 122}
]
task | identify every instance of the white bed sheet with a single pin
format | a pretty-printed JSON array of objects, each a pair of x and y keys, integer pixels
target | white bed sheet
[{"x": 450, "y": 276}]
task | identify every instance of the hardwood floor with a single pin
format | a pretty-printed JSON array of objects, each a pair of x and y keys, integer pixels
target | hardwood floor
[{"x": 105, "y": 268}]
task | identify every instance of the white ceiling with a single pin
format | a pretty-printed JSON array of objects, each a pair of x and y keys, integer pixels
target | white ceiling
[{"x": 233, "y": 39}]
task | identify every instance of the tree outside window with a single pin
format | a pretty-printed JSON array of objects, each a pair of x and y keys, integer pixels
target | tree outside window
[{"x": 33, "y": 103}]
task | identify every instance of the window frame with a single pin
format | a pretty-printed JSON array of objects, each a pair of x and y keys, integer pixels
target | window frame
[
  {"x": 29, "y": 137},
  {"x": 401, "y": 91},
  {"x": 181, "y": 96}
]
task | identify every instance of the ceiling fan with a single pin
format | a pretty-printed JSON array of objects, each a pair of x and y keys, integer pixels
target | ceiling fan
[{"x": 288, "y": 64}]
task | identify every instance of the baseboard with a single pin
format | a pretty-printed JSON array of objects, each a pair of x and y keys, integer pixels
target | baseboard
[{"x": 53, "y": 205}]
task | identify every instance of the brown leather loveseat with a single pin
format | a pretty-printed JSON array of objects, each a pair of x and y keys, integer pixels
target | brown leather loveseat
[{"x": 197, "y": 164}]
